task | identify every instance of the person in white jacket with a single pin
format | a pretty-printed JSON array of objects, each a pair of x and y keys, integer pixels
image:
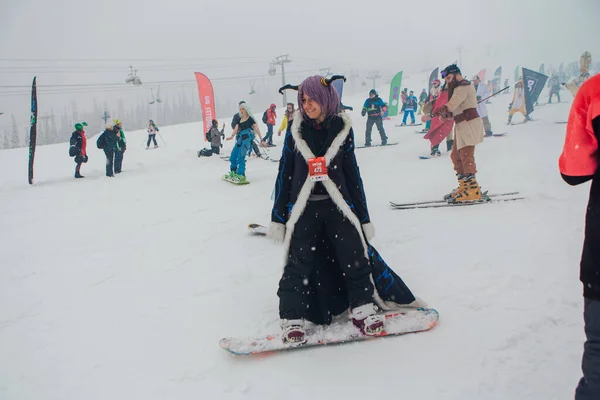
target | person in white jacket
[{"x": 483, "y": 92}]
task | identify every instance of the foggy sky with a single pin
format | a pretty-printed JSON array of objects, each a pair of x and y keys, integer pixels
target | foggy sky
[{"x": 169, "y": 40}]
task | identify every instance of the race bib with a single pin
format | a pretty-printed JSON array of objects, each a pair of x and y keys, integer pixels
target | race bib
[{"x": 317, "y": 169}]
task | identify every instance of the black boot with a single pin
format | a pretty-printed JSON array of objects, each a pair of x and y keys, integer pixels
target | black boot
[
  {"x": 78, "y": 175},
  {"x": 449, "y": 144},
  {"x": 435, "y": 150}
]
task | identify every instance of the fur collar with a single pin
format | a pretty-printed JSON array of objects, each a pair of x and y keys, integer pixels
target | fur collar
[{"x": 337, "y": 143}]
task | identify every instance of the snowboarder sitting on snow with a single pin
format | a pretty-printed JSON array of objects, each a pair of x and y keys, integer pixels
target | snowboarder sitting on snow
[
  {"x": 374, "y": 108},
  {"x": 152, "y": 131},
  {"x": 468, "y": 132},
  {"x": 320, "y": 213},
  {"x": 78, "y": 147},
  {"x": 410, "y": 106}
]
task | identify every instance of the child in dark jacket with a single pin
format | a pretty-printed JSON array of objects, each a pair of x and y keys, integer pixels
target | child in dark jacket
[{"x": 78, "y": 148}]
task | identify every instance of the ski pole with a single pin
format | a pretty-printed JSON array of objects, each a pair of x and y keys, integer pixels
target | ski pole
[
  {"x": 161, "y": 138},
  {"x": 489, "y": 97}
]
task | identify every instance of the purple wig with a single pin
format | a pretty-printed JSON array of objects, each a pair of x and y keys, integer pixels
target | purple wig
[{"x": 326, "y": 96}]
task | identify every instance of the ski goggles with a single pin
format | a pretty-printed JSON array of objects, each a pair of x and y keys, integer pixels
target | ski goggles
[{"x": 444, "y": 73}]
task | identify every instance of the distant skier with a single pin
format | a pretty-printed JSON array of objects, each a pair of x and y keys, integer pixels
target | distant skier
[
  {"x": 410, "y": 106},
  {"x": 422, "y": 100},
  {"x": 554, "y": 88},
  {"x": 320, "y": 214},
  {"x": 216, "y": 136},
  {"x": 288, "y": 119},
  {"x": 374, "y": 108},
  {"x": 468, "y": 132},
  {"x": 271, "y": 117},
  {"x": 518, "y": 103},
  {"x": 483, "y": 93},
  {"x": 152, "y": 131},
  {"x": 78, "y": 147},
  {"x": 244, "y": 133},
  {"x": 578, "y": 163}
]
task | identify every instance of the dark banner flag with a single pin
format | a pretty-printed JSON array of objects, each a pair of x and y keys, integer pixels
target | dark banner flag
[
  {"x": 433, "y": 77},
  {"x": 497, "y": 79},
  {"x": 533, "y": 83},
  {"x": 33, "y": 129}
]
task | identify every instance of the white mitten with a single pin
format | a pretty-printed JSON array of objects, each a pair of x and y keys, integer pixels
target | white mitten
[
  {"x": 369, "y": 230},
  {"x": 276, "y": 232}
]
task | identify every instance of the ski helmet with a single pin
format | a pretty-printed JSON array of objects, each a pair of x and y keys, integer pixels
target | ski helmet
[
  {"x": 450, "y": 69},
  {"x": 79, "y": 126},
  {"x": 372, "y": 91}
]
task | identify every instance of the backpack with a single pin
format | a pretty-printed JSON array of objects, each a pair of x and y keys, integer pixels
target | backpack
[
  {"x": 100, "y": 142},
  {"x": 73, "y": 146},
  {"x": 265, "y": 118},
  {"x": 207, "y": 136}
]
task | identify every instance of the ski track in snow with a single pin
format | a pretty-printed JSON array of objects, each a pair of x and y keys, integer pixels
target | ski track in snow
[{"x": 122, "y": 287}]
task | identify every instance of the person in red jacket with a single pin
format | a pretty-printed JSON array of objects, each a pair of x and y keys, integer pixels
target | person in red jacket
[
  {"x": 78, "y": 148},
  {"x": 578, "y": 163},
  {"x": 271, "y": 117}
]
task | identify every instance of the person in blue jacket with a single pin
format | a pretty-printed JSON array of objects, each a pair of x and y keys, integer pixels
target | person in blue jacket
[
  {"x": 374, "y": 108},
  {"x": 320, "y": 213},
  {"x": 410, "y": 106}
]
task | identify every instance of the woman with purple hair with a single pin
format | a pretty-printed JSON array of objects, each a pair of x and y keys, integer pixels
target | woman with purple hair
[{"x": 320, "y": 214}]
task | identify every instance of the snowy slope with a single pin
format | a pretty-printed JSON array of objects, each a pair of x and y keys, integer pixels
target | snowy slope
[{"x": 122, "y": 287}]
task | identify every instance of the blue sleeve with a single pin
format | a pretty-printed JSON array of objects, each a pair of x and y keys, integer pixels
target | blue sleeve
[
  {"x": 283, "y": 184},
  {"x": 354, "y": 181}
]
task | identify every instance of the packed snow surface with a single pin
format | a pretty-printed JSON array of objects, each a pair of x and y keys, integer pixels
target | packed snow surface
[{"x": 120, "y": 288}]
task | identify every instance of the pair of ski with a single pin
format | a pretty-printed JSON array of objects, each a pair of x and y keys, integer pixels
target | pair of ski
[{"x": 486, "y": 198}]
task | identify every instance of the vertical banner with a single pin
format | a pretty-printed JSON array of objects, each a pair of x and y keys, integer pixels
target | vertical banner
[
  {"x": 517, "y": 73},
  {"x": 433, "y": 77},
  {"x": 394, "y": 102},
  {"x": 481, "y": 75},
  {"x": 497, "y": 79},
  {"x": 33, "y": 128},
  {"x": 207, "y": 101},
  {"x": 533, "y": 83}
]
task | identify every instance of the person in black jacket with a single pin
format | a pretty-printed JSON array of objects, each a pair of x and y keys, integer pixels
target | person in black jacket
[
  {"x": 108, "y": 142},
  {"x": 578, "y": 163},
  {"x": 320, "y": 213}
]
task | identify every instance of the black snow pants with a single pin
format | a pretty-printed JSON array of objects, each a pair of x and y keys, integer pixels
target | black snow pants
[
  {"x": 378, "y": 121},
  {"x": 118, "y": 161},
  {"x": 110, "y": 156},
  {"x": 322, "y": 219}
]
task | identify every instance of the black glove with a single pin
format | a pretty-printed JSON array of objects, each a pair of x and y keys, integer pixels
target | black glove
[
  {"x": 363, "y": 113},
  {"x": 85, "y": 158}
]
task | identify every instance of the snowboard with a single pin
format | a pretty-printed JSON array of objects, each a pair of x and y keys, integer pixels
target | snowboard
[
  {"x": 257, "y": 229},
  {"x": 560, "y": 122},
  {"x": 421, "y": 132},
  {"x": 428, "y": 156},
  {"x": 403, "y": 126},
  {"x": 498, "y": 134},
  {"x": 227, "y": 179},
  {"x": 486, "y": 198},
  {"x": 377, "y": 145},
  {"x": 339, "y": 332}
]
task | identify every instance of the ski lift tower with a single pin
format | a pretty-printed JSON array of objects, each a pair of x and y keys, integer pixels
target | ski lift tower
[
  {"x": 105, "y": 117},
  {"x": 280, "y": 60},
  {"x": 374, "y": 76}
]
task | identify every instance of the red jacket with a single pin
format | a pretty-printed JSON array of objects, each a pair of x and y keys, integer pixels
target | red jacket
[
  {"x": 271, "y": 115},
  {"x": 578, "y": 163}
]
